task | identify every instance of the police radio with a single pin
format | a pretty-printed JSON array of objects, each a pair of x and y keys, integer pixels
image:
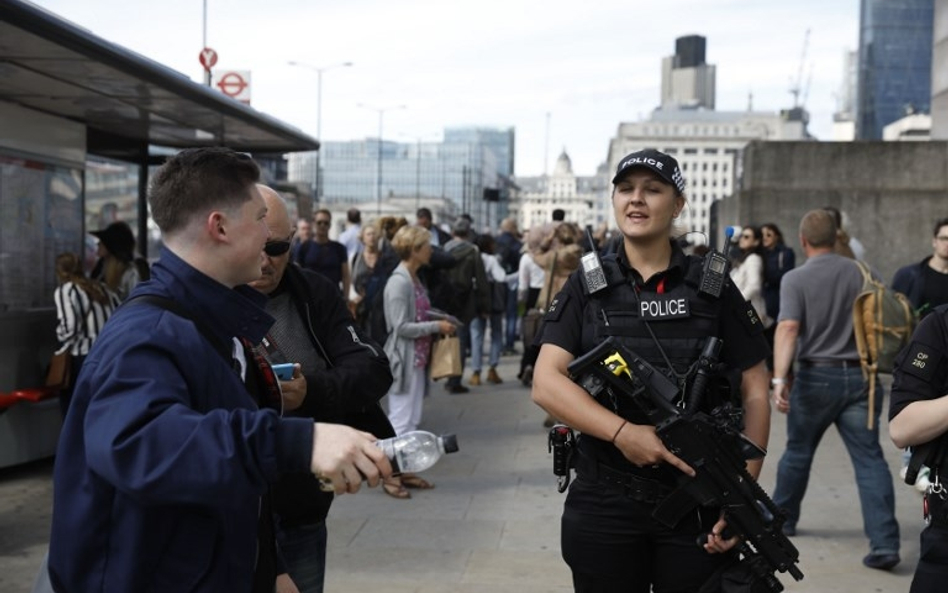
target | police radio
[
  {"x": 714, "y": 274},
  {"x": 592, "y": 267}
]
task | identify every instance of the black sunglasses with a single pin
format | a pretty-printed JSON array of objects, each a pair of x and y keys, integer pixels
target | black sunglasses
[{"x": 276, "y": 248}]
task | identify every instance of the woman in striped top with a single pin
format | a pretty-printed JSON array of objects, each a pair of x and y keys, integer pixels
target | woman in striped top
[{"x": 82, "y": 308}]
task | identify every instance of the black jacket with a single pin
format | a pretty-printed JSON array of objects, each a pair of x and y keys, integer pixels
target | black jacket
[
  {"x": 347, "y": 392},
  {"x": 910, "y": 281}
]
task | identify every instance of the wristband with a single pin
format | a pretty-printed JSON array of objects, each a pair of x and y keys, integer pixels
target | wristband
[
  {"x": 777, "y": 381},
  {"x": 618, "y": 430}
]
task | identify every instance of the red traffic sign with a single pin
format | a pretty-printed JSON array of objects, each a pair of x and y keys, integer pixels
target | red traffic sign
[
  {"x": 232, "y": 84},
  {"x": 207, "y": 57}
]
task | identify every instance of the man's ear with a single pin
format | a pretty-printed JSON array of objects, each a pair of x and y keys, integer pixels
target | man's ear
[{"x": 216, "y": 225}]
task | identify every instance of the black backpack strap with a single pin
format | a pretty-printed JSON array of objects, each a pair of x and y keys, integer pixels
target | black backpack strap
[{"x": 225, "y": 350}]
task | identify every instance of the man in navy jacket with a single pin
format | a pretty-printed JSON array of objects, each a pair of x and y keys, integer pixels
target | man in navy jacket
[{"x": 166, "y": 457}]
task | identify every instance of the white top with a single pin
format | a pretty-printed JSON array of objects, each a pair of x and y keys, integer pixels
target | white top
[
  {"x": 492, "y": 268},
  {"x": 749, "y": 278},
  {"x": 531, "y": 275},
  {"x": 80, "y": 319}
]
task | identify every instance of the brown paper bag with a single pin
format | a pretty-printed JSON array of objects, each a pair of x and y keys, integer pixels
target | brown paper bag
[
  {"x": 445, "y": 357},
  {"x": 59, "y": 370}
]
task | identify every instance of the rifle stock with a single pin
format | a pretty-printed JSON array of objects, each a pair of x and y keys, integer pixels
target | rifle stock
[{"x": 706, "y": 442}]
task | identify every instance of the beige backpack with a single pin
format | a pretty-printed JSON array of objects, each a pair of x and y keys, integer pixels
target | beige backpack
[{"x": 883, "y": 320}]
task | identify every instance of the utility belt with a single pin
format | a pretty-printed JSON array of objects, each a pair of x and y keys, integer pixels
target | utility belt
[{"x": 635, "y": 487}]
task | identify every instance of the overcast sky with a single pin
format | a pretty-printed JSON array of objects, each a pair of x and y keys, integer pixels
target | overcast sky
[{"x": 589, "y": 64}]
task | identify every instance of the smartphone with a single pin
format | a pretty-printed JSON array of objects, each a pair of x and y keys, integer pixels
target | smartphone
[{"x": 284, "y": 372}]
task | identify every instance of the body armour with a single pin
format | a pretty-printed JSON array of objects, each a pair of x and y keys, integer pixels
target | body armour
[{"x": 681, "y": 319}]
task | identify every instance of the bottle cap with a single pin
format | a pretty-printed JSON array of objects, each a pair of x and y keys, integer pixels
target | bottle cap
[{"x": 450, "y": 443}]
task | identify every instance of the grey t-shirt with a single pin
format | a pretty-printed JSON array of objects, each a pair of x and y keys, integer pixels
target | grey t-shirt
[{"x": 819, "y": 295}]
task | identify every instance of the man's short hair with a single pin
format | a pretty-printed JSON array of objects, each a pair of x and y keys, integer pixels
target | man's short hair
[
  {"x": 938, "y": 224},
  {"x": 354, "y": 216},
  {"x": 423, "y": 213},
  {"x": 818, "y": 228},
  {"x": 199, "y": 180},
  {"x": 461, "y": 228},
  {"x": 322, "y": 211}
]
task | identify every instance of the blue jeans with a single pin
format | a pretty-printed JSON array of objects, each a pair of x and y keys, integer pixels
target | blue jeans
[
  {"x": 304, "y": 549},
  {"x": 822, "y": 397},
  {"x": 477, "y": 340},
  {"x": 511, "y": 331}
]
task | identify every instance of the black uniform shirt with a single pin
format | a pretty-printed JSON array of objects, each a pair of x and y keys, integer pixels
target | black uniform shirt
[
  {"x": 921, "y": 369},
  {"x": 741, "y": 331}
]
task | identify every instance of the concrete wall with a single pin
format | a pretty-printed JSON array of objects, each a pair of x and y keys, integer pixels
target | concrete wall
[{"x": 892, "y": 193}]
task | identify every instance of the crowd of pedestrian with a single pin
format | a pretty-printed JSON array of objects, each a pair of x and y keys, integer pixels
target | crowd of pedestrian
[{"x": 186, "y": 375}]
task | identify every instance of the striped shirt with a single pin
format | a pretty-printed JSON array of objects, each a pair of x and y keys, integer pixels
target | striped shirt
[{"x": 80, "y": 318}]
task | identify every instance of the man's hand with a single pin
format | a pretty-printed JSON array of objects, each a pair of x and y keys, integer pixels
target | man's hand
[
  {"x": 640, "y": 444},
  {"x": 294, "y": 390},
  {"x": 346, "y": 456},
  {"x": 781, "y": 396}
]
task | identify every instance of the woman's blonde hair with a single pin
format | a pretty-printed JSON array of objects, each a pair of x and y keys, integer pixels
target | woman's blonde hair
[
  {"x": 69, "y": 269},
  {"x": 409, "y": 238}
]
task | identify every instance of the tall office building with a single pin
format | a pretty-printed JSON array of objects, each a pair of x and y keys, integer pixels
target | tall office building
[
  {"x": 895, "y": 63},
  {"x": 844, "y": 118},
  {"x": 687, "y": 81}
]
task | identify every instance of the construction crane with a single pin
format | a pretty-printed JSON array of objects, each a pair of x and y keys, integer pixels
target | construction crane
[{"x": 796, "y": 88}]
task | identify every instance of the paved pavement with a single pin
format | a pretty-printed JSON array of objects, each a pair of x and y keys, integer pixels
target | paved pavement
[{"x": 491, "y": 525}]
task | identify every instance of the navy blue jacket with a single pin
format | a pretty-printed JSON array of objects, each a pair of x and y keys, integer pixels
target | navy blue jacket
[{"x": 164, "y": 457}]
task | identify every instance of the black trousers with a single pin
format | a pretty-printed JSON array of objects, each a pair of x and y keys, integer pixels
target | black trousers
[
  {"x": 931, "y": 574},
  {"x": 613, "y": 545}
]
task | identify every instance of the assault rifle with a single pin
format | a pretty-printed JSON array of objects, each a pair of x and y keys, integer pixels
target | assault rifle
[{"x": 710, "y": 443}]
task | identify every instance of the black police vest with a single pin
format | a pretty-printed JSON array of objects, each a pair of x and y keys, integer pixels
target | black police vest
[{"x": 619, "y": 311}]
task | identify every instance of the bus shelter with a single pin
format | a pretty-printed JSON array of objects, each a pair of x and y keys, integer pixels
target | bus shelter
[{"x": 81, "y": 121}]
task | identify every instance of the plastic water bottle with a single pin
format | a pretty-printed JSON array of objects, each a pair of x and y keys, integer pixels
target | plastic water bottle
[
  {"x": 417, "y": 450},
  {"x": 413, "y": 451}
]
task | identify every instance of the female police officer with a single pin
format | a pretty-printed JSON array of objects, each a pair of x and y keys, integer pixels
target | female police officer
[
  {"x": 651, "y": 304},
  {"x": 918, "y": 415}
]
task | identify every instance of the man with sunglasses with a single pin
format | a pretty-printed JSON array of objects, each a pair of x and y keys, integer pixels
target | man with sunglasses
[
  {"x": 325, "y": 256},
  {"x": 339, "y": 376}
]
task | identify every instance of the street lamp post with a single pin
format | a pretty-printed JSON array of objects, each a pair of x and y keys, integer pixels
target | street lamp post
[
  {"x": 378, "y": 173},
  {"x": 317, "y": 190}
]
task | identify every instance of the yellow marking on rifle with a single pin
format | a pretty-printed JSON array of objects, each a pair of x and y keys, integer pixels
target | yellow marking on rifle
[{"x": 617, "y": 365}]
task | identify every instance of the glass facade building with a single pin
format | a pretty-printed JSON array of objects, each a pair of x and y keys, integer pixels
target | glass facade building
[
  {"x": 895, "y": 62},
  {"x": 459, "y": 168}
]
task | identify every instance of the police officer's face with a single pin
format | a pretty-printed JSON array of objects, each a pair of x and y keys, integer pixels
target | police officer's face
[{"x": 645, "y": 206}]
